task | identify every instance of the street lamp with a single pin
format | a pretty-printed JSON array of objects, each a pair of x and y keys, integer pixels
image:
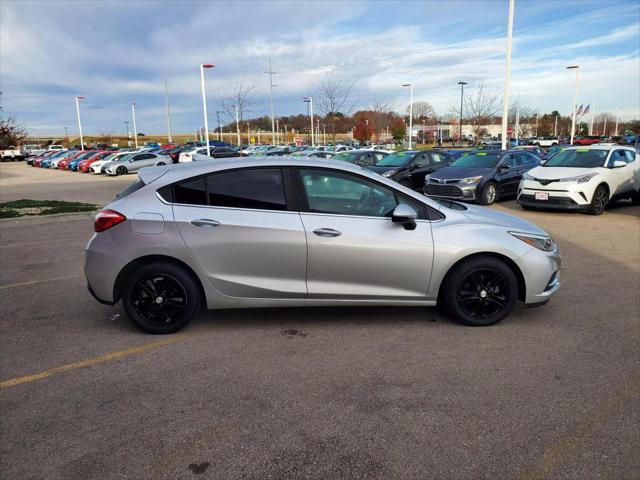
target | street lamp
[
  {"x": 505, "y": 95},
  {"x": 237, "y": 127},
  {"x": 204, "y": 102},
  {"x": 575, "y": 100},
  {"x": 219, "y": 129},
  {"x": 135, "y": 130},
  {"x": 462, "y": 84},
  {"x": 309, "y": 101},
  {"x": 271, "y": 85},
  {"x": 79, "y": 122},
  {"x": 410, "y": 85}
]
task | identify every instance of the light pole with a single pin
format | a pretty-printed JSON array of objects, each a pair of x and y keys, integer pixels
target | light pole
[
  {"x": 505, "y": 94},
  {"x": 126, "y": 124},
  {"x": 410, "y": 85},
  {"x": 592, "y": 115},
  {"x": 462, "y": 84},
  {"x": 79, "y": 122},
  {"x": 219, "y": 129},
  {"x": 135, "y": 130},
  {"x": 237, "y": 126},
  {"x": 271, "y": 85},
  {"x": 204, "y": 103},
  {"x": 318, "y": 131},
  {"x": 575, "y": 100},
  {"x": 248, "y": 136},
  {"x": 324, "y": 133},
  {"x": 555, "y": 127},
  {"x": 66, "y": 135},
  {"x": 166, "y": 98},
  {"x": 309, "y": 101},
  {"x": 617, "y": 119}
]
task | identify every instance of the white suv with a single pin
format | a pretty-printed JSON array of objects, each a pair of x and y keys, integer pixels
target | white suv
[{"x": 583, "y": 178}]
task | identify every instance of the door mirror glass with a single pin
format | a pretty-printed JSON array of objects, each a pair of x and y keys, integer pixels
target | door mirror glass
[
  {"x": 504, "y": 167},
  {"x": 405, "y": 215}
]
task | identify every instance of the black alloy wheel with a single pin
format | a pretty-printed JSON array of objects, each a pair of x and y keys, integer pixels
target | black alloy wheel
[
  {"x": 599, "y": 201},
  {"x": 161, "y": 297},
  {"x": 480, "y": 291},
  {"x": 121, "y": 171}
]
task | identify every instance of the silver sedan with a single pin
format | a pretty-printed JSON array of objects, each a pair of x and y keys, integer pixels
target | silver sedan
[
  {"x": 134, "y": 162},
  {"x": 280, "y": 231}
]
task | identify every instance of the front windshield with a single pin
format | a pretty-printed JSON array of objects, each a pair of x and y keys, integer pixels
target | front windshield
[
  {"x": 344, "y": 157},
  {"x": 478, "y": 160},
  {"x": 397, "y": 159},
  {"x": 579, "y": 157}
]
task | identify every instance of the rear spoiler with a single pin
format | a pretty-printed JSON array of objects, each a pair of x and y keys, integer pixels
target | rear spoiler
[{"x": 151, "y": 174}]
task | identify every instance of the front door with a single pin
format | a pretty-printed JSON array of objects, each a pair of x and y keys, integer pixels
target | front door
[
  {"x": 355, "y": 251},
  {"x": 237, "y": 226}
]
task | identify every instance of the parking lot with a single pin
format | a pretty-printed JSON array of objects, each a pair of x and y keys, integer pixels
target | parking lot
[{"x": 315, "y": 393}]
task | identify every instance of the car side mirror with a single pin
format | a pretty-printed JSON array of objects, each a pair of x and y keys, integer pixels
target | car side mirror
[
  {"x": 412, "y": 167},
  {"x": 405, "y": 215},
  {"x": 504, "y": 168},
  {"x": 618, "y": 164}
]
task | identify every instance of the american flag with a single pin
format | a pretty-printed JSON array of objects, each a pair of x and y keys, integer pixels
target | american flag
[
  {"x": 579, "y": 111},
  {"x": 584, "y": 112}
]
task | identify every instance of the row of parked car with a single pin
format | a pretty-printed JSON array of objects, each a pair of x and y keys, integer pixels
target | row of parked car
[{"x": 561, "y": 177}]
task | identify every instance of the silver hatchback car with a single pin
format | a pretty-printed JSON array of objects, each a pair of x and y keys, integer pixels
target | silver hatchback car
[{"x": 280, "y": 231}]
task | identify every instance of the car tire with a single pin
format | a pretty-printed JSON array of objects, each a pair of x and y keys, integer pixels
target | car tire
[
  {"x": 121, "y": 171},
  {"x": 599, "y": 201},
  {"x": 479, "y": 292},
  {"x": 635, "y": 198},
  {"x": 160, "y": 163},
  {"x": 489, "y": 194},
  {"x": 161, "y": 297}
]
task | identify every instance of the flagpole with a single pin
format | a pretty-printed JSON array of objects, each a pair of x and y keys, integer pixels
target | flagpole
[
  {"x": 592, "y": 115},
  {"x": 575, "y": 100}
]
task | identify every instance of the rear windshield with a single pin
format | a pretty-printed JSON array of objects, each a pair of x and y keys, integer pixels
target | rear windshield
[{"x": 137, "y": 185}]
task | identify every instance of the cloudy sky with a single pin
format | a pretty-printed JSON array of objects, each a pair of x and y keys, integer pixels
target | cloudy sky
[{"x": 115, "y": 52}]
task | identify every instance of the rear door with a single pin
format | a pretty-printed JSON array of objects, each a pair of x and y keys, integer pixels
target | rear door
[
  {"x": 355, "y": 251},
  {"x": 243, "y": 231}
]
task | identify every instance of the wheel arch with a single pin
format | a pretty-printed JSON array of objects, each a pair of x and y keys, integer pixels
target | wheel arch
[
  {"x": 605, "y": 185},
  {"x": 138, "y": 262},
  {"x": 522, "y": 286}
]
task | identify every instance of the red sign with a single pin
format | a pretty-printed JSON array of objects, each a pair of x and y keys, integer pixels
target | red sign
[
  {"x": 298, "y": 141},
  {"x": 509, "y": 130}
]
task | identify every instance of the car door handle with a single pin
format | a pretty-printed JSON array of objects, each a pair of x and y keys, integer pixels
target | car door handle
[
  {"x": 205, "y": 222},
  {"x": 327, "y": 232}
]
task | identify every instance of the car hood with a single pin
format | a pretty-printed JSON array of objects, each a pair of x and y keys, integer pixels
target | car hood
[
  {"x": 491, "y": 216},
  {"x": 460, "y": 172},
  {"x": 555, "y": 173}
]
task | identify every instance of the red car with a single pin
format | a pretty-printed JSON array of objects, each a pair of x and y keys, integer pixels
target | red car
[
  {"x": 587, "y": 140},
  {"x": 62, "y": 164},
  {"x": 83, "y": 165}
]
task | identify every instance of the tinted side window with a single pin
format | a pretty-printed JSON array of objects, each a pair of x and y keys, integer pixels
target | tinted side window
[
  {"x": 191, "y": 192},
  {"x": 437, "y": 158},
  {"x": 261, "y": 188},
  {"x": 508, "y": 161}
]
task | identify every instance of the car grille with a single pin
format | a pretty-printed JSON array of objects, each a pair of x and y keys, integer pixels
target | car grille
[
  {"x": 443, "y": 190},
  {"x": 552, "y": 200}
]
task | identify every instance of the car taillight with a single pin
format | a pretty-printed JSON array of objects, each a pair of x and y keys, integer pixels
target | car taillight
[{"x": 106, "y": 219}]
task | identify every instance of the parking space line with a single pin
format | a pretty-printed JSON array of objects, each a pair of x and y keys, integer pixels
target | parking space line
[
  {"x": 35, "y": 282},
  {"x": 43, "y": 242},
  {"x": 568, "y": 443},
  {"x": 93, "y": 361}
]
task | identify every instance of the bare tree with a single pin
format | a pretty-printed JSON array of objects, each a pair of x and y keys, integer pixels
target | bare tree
[
  {"x": 331, "y": 97},
  {"x": 422, "y": 111},
  {"x": 482, "y": 105},
  {"x": 11, "y": 133},
  {"x": 383, "y": 104},
  {"x": 242, "y": 95}
]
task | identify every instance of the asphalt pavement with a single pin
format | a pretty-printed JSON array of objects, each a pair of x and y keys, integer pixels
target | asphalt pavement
[{"x": 322, "y": 393}]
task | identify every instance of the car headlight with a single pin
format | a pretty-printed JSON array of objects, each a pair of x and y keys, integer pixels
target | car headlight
[
  {"x": 471, "y": 179},
  {"x": 541, "y": 242},
  {"x": 389, "y": 173},
  {"x": 580, "y": 178},
  {"x": 526, "y": 176}
]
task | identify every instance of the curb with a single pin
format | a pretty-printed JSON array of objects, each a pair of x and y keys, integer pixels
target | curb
[{"x": 40, "y": 219}]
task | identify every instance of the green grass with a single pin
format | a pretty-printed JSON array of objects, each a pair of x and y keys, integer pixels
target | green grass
[{"x": 26, "y": 207}]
